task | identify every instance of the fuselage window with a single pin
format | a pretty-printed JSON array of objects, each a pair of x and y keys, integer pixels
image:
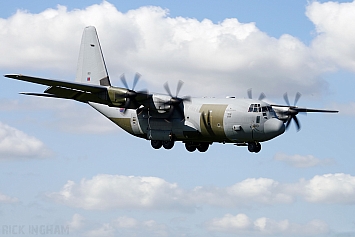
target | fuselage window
[{"x": 257, "y": 119}]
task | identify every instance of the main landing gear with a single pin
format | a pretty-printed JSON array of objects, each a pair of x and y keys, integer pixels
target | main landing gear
[
  {"x": 254, "y": 147},
  {"x": 156, "y": 144},
  {"x": 190, "y": 146},
  {"x": 200, "y": 146}
]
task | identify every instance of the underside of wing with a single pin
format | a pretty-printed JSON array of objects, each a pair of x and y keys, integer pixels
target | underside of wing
[
  {"x": 58, "y": 83},
  {"x": 67, "y": 90}
]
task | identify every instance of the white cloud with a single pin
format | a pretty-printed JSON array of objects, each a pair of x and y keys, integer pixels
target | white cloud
[
  {"x": 330, "y": 188},
  {"x": 335, "y": 35},
  {"x": 242, "y": 224},
  {"x": 230, "y": 223},
  {"x": 247, "y": 192},
  {"x": 114, "y": 191},
  {"x": 104, "y": 192},
  {"x": 231, "y": 56},
  {"x": 7, "y": 199},
  {"x": 15, "y": 144},
  {"x": 300, "y": 161}
]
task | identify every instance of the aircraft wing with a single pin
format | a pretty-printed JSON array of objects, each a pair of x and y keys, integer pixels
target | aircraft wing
[
  {"x": 67, "y": 90},
  {"x": 306, "y": 110}
]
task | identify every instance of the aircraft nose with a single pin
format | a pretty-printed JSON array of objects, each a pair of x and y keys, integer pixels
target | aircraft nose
[{"x": 274, "y": 127}]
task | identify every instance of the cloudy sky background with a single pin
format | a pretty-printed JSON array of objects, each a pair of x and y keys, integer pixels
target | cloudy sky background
[{"x": 62, "y": 163}]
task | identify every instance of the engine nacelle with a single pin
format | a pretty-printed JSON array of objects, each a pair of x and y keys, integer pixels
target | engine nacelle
[
  {"x": 281, "y": 112},
  {"x": 159, "y": 103},
  {"x": 116, "y": 95}
]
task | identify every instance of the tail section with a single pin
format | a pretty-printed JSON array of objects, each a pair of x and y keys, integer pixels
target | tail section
[{"x": 91, "y": 64}]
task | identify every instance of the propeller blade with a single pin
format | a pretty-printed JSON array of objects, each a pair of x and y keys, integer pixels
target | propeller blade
[
  {"x": 297, "y": 97},
  {"x": 186, "y": 98},
  {"x": 262, "y": 96},
  {"x": 298, "y": 125},
  {"x": 167, "y": 89},
  {"x": 250, "y": 95},
  {"x": 127, "y": 104},
  {"x": 123, "y": 79},
  {"x": 136, "y": 79},
  {"x": 286, "y": 99},
  {"x": 178, "y": 88},
  {"x": 288, "y": 122}
]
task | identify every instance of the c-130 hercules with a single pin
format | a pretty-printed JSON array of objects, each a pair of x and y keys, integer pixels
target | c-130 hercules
[{"x": 166, "y": 119}]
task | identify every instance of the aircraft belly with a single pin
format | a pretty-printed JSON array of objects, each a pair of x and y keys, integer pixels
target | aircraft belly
[
  {"x": 128, "y": 121},
  {"x": 124, "y": 123}
]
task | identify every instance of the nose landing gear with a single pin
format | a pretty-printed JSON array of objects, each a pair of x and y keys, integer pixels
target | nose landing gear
[{"x": 254, "y": 147}]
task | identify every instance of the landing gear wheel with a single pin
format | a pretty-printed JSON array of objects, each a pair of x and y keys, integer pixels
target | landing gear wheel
[
  {"x": 258, "y": 147},
  {"x": 168, "y": 144},
  {"x": 189, "y": 147},
  {"x": 203, "y": 147},
  {"x": 254, "y": 147},
  {"x": 156, "y": 144}
]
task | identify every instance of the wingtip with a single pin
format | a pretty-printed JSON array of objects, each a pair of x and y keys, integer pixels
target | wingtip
[{"x": 12, "y": 75}]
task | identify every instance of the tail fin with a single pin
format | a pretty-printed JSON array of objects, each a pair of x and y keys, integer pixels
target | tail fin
[{"x": 91, "y": 64}]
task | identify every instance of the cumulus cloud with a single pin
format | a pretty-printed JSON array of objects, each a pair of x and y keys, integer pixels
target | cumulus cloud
[
  {"x": 300, "y": 161},
  {"x": 330, "y": 188},
  {"x": 245, "y": 193},
  {"x": 229, "y": 55},
  {"x": 242, "y": 224},
  {"x": 114, "y": 191},
  {"x": 104, "y": 192},
  {"x": 334, "y": 43},
  {"x": 15, "y": 144}
]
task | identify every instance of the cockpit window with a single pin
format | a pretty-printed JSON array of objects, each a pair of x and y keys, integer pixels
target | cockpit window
[
  {"x": 257, "y": 108},
  {"x": 254, "y": 108}
]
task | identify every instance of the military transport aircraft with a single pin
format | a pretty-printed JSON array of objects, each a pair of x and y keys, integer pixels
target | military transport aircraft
[{"x": 166, "y": 119}]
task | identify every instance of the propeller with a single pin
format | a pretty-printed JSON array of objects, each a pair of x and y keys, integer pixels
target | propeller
[
  {"x": 261, "y": 96},
  {"x": 175, "y": 101},
  {"x": 132, "y": 97},
  {"x": 292, "y": 111}
]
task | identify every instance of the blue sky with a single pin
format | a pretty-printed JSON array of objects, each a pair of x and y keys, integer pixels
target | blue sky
[{"x": 63, "y": 164}]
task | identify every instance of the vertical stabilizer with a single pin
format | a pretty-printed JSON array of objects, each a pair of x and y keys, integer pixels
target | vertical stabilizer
[{"x": 91, "y": 64}]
